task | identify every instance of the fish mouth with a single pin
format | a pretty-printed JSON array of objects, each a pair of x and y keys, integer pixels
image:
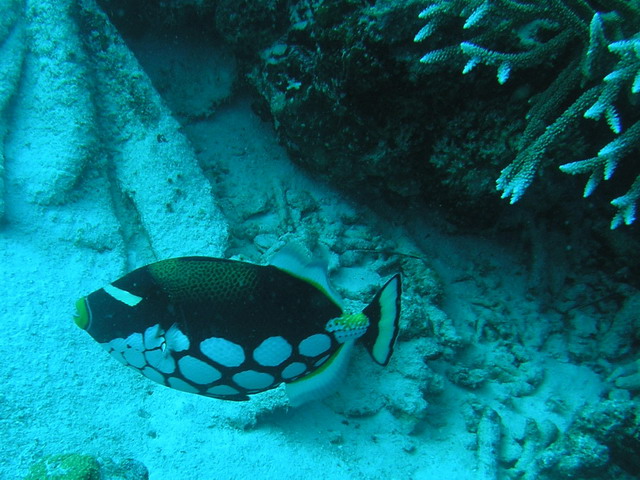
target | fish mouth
[{"x": 82, "y": 315}]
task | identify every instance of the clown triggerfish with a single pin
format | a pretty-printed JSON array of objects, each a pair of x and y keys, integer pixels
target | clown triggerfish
[{"x": 228, "y": 329}]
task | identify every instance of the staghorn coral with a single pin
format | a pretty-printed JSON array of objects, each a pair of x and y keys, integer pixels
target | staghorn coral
[
  {"x": 624, "y": 77},
  {"x": 593, "y": 47}
]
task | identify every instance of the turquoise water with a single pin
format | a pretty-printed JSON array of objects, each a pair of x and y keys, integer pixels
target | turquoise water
[{"x": 133, "y": 133}]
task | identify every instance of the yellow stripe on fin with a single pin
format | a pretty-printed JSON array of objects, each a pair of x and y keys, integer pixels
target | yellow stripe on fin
[{"x": 323, "y": 381}]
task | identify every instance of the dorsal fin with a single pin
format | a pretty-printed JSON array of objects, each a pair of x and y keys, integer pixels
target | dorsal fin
[{"x": 294, "y": 261}]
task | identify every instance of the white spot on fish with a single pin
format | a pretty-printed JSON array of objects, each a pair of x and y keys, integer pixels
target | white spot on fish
[
  {"x": 181, "y": 385},
  {"x": 117, "y": 344},
  {"x": 252, "y": 380},
  {"x": 293, "y": 370},
  {"x": 198, "y": 371},
  {"x": 116, "y": 348},
  {"x": 135, "y": 341},
  {"x": 153, "y": 374},
  {"x": 314, "y": 345},
  {"x": 223, "y": 390},
  {"x": 123, "y": 296},
  {"x": 153, "y": 337},
  {"x": 161, "y": 361},
  {"x": 118, "y": 356},
  {"x": 223, "y": 351},
  {"x": 176, "y": 340},
  {"x": 272, "y": 352},
  {"x": 134, "y": 358}
]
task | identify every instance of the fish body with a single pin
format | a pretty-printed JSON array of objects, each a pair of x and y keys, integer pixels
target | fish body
[{"x": 228, "y": 329}]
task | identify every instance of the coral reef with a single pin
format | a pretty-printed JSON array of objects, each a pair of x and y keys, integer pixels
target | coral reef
[
  {"x": 597, "y": 444},
  {"x": 621, "y": 337},
  {"x": 260, "y": 24},
  {"x": 124, "y": 469},
  {"x": 592, "y": 47},
  {"x": 601, "y": 442},
  {"x": 340, "y": 81},
  {"x": 70, "y": 466},
  {"x": 488, "y": 342},
  {"x": 75, "y": 466},
  {"x": 627, "y": 377},
  {"x": 333, "y": 61}
]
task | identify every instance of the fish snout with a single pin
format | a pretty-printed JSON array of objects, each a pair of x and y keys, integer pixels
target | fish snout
[{"x": 81, "y": 317}]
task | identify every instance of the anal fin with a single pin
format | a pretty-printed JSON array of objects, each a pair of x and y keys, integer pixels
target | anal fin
[{"x": 323, "y": 381}]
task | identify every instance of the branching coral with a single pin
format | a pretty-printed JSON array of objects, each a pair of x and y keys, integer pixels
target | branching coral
[
  {"x": 626, "y": 72},
  {"x": 594, "y": 45}
]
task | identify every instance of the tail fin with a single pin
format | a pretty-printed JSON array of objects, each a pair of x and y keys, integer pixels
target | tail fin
[{"x": 383, "y": 313}]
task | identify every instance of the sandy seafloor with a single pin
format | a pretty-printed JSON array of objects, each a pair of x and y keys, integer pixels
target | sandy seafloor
[{"x": 479, "y": 366}]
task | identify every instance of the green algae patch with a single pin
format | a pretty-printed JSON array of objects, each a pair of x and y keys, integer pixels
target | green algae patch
[{"x": 71, "y": 466}]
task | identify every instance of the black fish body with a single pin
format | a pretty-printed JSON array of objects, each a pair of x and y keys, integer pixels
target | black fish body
[{"x": 226, "y": 329}]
